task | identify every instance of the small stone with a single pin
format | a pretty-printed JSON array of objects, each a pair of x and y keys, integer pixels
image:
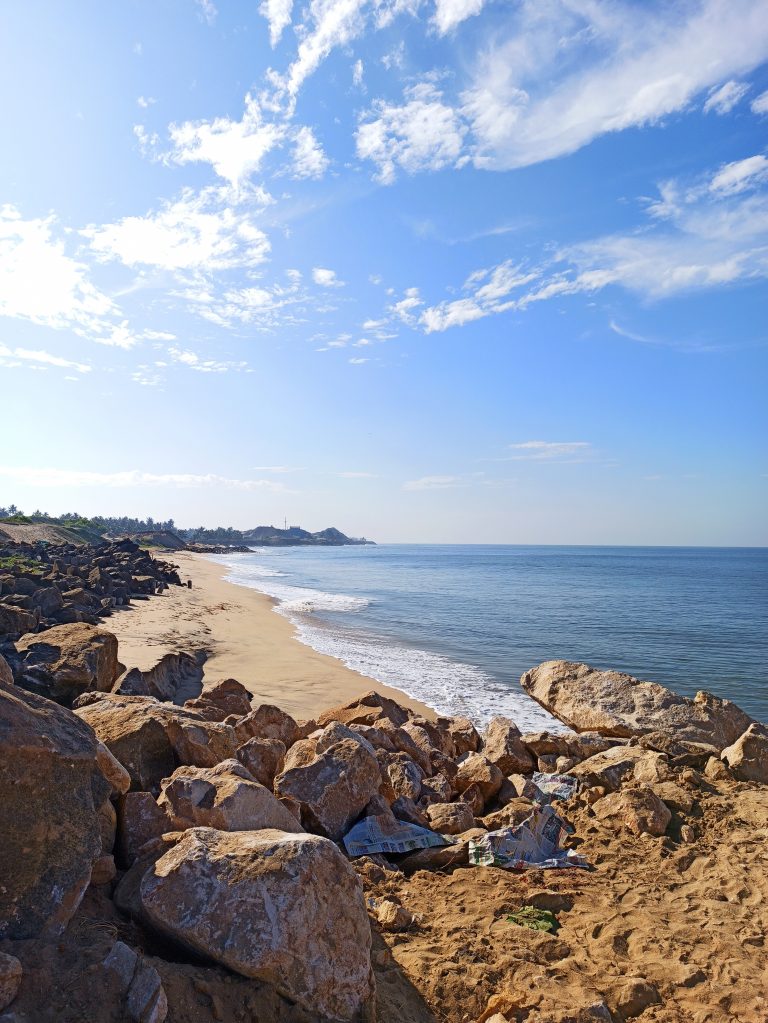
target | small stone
[
  {"x": 633, "y": 995},
  {"x": 393, "y": 917},
  {"x": 10, "y": 979}
]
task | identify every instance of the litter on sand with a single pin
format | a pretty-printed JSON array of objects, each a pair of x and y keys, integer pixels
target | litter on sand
[
  {"x": 535, "y": 919},
  {"x": 534, "y": 844},
  {"x": 386, "y": 835},
  {"x": 543, "y": 788}
]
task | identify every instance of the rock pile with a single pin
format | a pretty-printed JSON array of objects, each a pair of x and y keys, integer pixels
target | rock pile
[
  {"x": 43, "y": 585},
  {"x": 218, "y": 827}
]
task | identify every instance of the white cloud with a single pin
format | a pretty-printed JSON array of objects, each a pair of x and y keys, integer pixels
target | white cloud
[
  {"x": 41, "y": 283},
  {"x": 326, "y": 278},
  {"x": 358, "y": 361},
  {"x": 278, "y": 14},
  {"x": 740, "y": 175},
  {"x": 49, "y": 477},
  {"x": 549, "y": 451},
  {"x": 195, "y": 362},
  {"x": 433, "y": 483},
  {"x": 565, "y": 74},
  {"x": 332, "y": 23},
  {"x": 450, "y": 13},
  {"x": 235, "y": 149},
  {"x": 723, "y": 99},
  {"x": 199, "y": 231},
  {"x": 423, "y": 134},
  {"x": 208, "y": 10},
  {"x": 405, "y": 309},
  {"x": 760, "y": 103},
  {"x": 451, "y": 314},
  {"x": 357, "y": 73},
  {"x": 15, "y": 356},
  {"x": 309, "y": 160},
  {"x": 145, "y": 101}
]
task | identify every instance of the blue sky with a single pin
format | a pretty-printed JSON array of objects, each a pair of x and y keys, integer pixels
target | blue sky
[{"x": 427, "y": 270}]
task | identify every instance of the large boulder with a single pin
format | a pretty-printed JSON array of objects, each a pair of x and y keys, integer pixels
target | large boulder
[
  {"x": 282, "y": 908},
  {"x": 333, "y": 789},
  {"x": 611, "y": 768},
  {"x": 150, "y": 739},
  {"x": 476, "y": 769},
  {"x": 370, "y": 709},
  {"x": 263, "y": 758},
  {"x": 503, "y": 746},
  {"x": 175, "y": 676},
  {"x": 6, "y": 675},
  {"x": 220, "y": 699},
  {"x": 267, "y": 722},
  {"x": 748, "y": 756},
  {"x": 15, "y": 621},
  {"x": 615, "y": 704},
  {"x": 50, "y": 790},
  {"x": 639, "y": 810},
  {"x": 68, "y": 660},
  {"x": 224, "y": 797}
]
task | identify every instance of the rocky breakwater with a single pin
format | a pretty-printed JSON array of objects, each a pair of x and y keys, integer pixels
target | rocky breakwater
[
  {"x": 220, "y": 860},
  {"x": 52, "y": 600}
]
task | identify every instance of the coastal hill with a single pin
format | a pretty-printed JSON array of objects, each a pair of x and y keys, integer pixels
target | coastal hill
[{"x": 40, "y": 527}]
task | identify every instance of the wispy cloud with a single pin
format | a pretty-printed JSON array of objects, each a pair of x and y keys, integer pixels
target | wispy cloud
[
  {"x": 433, "y": 483},
  {"x": 722, "y": 100},
  {"x": 450, "y": 13},
  {"x": 550, "y": 451},
  {"x": 278, "y": 14},
  {"x": 50, "y": 477},
  {"x": 208, "y": 11},
  {"x": 10, "y": 357}
]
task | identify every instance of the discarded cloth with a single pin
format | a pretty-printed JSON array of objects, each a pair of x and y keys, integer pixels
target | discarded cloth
[
  {"x": 384, "y": 834},
  {"x": 534, "y": 844}
]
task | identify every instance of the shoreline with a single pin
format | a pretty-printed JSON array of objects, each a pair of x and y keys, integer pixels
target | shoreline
[{"x": 243, "y": 638}]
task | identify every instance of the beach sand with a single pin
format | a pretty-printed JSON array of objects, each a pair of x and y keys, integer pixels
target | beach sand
[{"x": 243, "y": 638}]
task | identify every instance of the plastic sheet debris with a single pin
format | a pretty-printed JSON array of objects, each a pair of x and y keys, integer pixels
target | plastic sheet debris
[
  {"x": 385, "y": 834},
  {"x": 543, "y": 788},
  {"x": 532, "y": 845}
]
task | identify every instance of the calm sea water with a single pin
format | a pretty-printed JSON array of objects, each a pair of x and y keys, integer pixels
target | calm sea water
[{"x": 455, "y": 626}]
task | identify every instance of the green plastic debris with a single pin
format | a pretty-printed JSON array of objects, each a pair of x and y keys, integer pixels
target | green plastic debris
[{"x": 534, "y": 919}]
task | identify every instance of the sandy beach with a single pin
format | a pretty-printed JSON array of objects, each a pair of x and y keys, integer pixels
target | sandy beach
[{"x": 243, "y": 638}]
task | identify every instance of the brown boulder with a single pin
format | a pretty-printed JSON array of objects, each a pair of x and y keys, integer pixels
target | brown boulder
[
  {"x": 613, "y": 767},
  {"x": 615, "y": 704},
  {"x": 10, "y": 979},
  {"x": 370, "y": 709},
  {"x": 267, "y": 722},
  {"x": 70, "y": 659},
  {"x": 476, "y": 769},
  {"x": 174, "y": 675},
  {"x": 639, "y": 810},
  {"x": 333, "y": 789},
  {"x": 748, "y": 756},
  {"x": 503, "y": 746},
  {"x": 263, "y": 758},
  {"x": 50, "y": 789},
  {"x": 224, "y": 797},
  {"x": 139, "y": 821},
  {"x": 450, "y": 818},
  {"x": 14, "y": 621},
  {"x": 464, "y": 735},
  {"x": 6, "y": 675},
  {"x": 150, "y": 739},
  {"x": 220, "y": 699},
  {"x": 284, "y": 909}
]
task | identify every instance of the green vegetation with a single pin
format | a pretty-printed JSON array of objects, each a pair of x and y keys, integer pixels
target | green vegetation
[{"x": 17, "y": 563}]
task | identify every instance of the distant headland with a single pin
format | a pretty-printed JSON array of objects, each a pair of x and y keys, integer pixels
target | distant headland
[{"x": 73, "y": 527}]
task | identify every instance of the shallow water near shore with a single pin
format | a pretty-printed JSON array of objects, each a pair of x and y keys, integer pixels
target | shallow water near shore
[{"x": 455, "y": 626}]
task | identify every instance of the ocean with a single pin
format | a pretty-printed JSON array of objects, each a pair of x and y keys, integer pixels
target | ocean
[{"x": 455, "y": 626}]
